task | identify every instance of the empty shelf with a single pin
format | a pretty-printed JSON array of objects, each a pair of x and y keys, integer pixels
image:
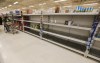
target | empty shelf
[
  {"x": 97, "y": 39},
  {"x": 65, "y": 37},
  {"x": 31, "y": 21},
  {"x": 76, "y": 27},
  {"x": 32, "y": 28}
]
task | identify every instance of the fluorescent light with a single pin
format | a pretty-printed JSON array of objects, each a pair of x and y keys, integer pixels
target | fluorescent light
[
  {"x": 2, "y": 8},
  {"x": 52, "y": 8},
  {"x": 67, "y": 6},
  {"x": 40, "y": 4},
  {"x": 24, "y": 11},
  {"x": 44, "y": 3},
  {"x": 31, "y": 6},
  {"x": 16, "y": 3},
  {"x": 17, "y": 9},
  {"x": 23, "y": 8},
  {"x": 60, "y": 0},
  {"x": 5, "y": 7},
  {"x": 91, "y": 4},
  {"x": 10, "y": 5}
]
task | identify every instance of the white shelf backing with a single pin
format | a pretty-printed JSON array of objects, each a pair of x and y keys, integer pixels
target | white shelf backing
[
  {"x": 65, "y": 37},
  {"x": 97, "y": 39},
  {"x": 32, "y": 28},
  {"x": 75, "y": 27}
]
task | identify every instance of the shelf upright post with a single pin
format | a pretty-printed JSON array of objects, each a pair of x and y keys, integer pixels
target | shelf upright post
[
  {"x": 41, "y": 25},
  {"x": 22, "y": 21},
  {"x": 48, "y": 22},
  {"x": 92, "y": 34}
]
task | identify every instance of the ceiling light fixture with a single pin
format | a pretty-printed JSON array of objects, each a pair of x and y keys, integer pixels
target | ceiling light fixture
[
  {"x": 91, "y": 4},
  {"x": 43, "y": 3},
  {"x": 16, "y": 3},
  {"x": 40, "y": 4},
  {"x": 67, "y": 6},
  {"x": 31, "y": 6},
  {"x": 52, "y": 8},
  {"x": 5, "y": 7},
  {"x": 24, "y": 8},
  {"x": 17, "y": 9},
  {"x": 60, "y": 0},
  {"x": 2, "y": 8},
  {"x": 24, "y": 11},
  {"x": 9, "y": 5}
]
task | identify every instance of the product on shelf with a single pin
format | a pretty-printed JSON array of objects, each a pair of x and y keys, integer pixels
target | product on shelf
[
  {"x": 29, "y": 11},
  {"x": 67, "y": 10},
  {"x": 17, "y": 12},
  {"x": 11, "y": 12},
  {"x": 37, "y": 26},
  {"x": 57, "y": 9},
  {"x": 68, "y": 23},
  {"x": 83, "y": 9}
]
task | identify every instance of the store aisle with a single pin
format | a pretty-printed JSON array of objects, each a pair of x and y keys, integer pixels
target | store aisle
[{"x": 24, "y": 48}]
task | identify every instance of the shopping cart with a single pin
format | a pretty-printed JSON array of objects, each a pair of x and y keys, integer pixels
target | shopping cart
[{"x": 10, "y": 27}]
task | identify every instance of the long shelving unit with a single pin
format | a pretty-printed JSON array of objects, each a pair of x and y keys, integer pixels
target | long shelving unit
[{"x": 50, "y": 31}]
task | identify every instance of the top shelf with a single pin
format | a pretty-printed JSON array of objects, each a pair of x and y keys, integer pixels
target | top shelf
[
  {"x": 86, "y": 13},
  {"x": 31, "y": 14},
  {"x": 54, "y": 14},
  {"x": 80, "y": 13}
]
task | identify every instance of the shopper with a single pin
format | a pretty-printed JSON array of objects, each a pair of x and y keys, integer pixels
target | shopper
[
  {"x": 0, "y": 20},
  {"x": 7, "y": 23}
]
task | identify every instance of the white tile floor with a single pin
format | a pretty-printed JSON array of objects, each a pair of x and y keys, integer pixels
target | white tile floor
[{"x": 24, "y": 48}]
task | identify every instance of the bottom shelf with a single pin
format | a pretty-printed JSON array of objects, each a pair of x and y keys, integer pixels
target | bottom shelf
[
  {"x": 95, "y": 52},
  {"x": 32, "y": 31},
  {"x": 59, "y": 44},
  {"x": 51, "y": 40},
  {"x": 75, "y": 45}
]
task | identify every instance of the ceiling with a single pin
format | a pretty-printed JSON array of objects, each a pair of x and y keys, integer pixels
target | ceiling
[{"x": 38, "y": 4}]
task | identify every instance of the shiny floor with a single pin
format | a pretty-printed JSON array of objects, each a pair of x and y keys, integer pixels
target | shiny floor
[{"x": 24, "y": 48}]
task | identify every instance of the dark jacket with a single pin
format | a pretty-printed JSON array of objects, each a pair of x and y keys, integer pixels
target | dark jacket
[{"x": 0, "y": 20}]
